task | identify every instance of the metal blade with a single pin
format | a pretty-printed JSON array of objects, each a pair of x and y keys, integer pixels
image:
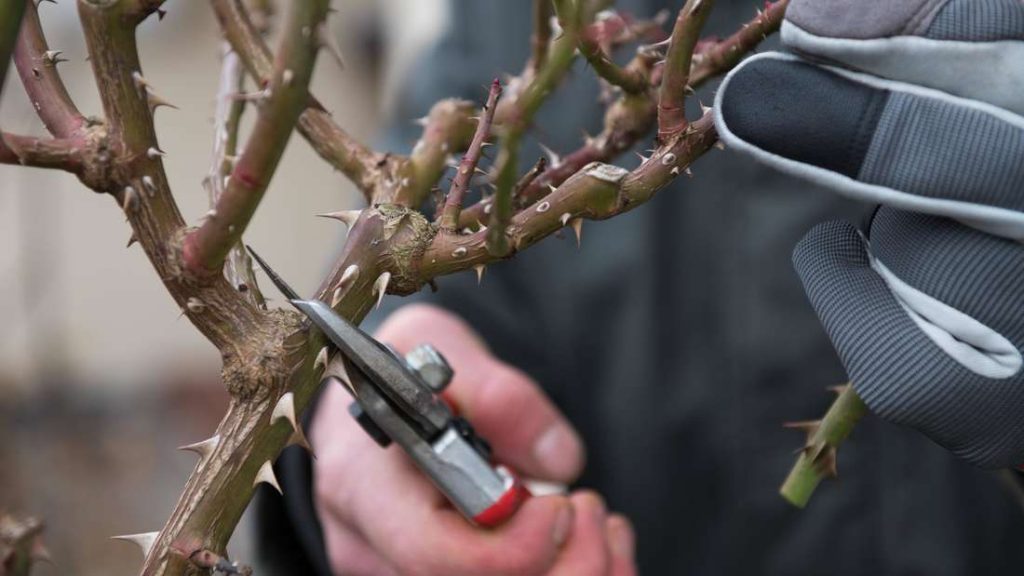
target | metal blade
[
  {"x": 381, "y": 367},
  {"x": 277, "y": 280}
]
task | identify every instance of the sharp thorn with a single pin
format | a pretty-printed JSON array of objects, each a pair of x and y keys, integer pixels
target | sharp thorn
[
  {"x": 155, "y": 152},
  {"x": 129, "y": 198},
  {"x": 154, "y": 101},
  {"x": 148, "y": 184},
  {"x": 132, "y": 240},
  {"x": 52, "y": 57},
  {"x": 144, "y": 540},
  {"x": 349, "y": 275},
  {"x": 321, "y": 360},
  {"x": 285, "y": 408},
  {"x": 564, "y": 218},
  {"x": 349, "y": 217},
  {"x": 577, "y": 227},
  {"x": 479, "y": 273},
  {"x": 203, "y": 448},
  {"x": 554, "y": 160},
  {"x": 380, "y": 286},
  {"x": 298, "y": 438},
  {"x": 266, "y": 475}
]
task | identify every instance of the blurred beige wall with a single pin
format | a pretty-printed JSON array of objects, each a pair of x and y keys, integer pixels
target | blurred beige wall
[{"x": 73, "y": 299}]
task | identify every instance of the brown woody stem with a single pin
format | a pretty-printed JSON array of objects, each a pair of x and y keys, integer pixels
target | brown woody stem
[
  {"x": 597, "y": 192},
  {"x": 38, "y": 73},
  {"x": 57, "y": 153},
  {"x": 675, "y": 81},
  {"x": 717, "y": 57},
  {"x": 337, "y": 147},
  {"x": 631, "y": 79},
  {"x": 817, "y": 459},
  {"x": 226, "y": 120},
  {"x": 287, "y": 95},
  {"x": 467, "y": 167}
]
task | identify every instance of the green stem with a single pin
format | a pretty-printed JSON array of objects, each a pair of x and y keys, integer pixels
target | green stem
[
  {"x": 817, "y": 459},
  {"x": 286, "y": 95},
  {"x": 676, "y": 77}
]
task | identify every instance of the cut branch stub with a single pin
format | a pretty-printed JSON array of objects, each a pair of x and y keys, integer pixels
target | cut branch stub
[{"x": 817, "y": 459}]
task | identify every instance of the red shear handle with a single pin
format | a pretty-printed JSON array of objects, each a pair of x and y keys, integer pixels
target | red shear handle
[{"x": 505, "y": 506}]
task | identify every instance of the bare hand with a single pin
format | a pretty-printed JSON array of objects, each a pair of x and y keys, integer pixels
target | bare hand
[{"x": 382, "y": 516}]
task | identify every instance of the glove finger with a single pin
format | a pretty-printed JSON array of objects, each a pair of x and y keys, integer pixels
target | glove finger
[
  {"x": 878, "y": 140},
  {"x": 964, "y": 47},
  {"x": 898, "y": 369}
]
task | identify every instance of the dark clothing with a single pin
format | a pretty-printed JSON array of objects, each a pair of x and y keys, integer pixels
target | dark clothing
[{"x": 678, "y": 340}]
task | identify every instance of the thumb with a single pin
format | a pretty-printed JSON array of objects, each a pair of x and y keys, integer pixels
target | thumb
[{"x": 504, "y": 405}]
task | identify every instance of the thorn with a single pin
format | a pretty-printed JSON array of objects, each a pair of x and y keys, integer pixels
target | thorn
[
  {"x": 577, "y": 227},
  {"x": 479, "y": 273},
  {"x": 674, "y": 171},
  {"x": 839, "y": 388},
  {"x": 321, "y": 360},
  {"x": 720, "y": 145},
  {"x": 688, "y": 172},
  {"x": 144, "y": 540},
  {"x": 643, "y": 159},
  {"x": 349, "y": 217},
  {"x": 285, "y": 408},
  {"x": 554, "y": 160},
  {"x": 129, "y": 198},
  {"x": 421, "y": 121},
  {"x": 380, "y": 286},
  {"x": 195, "y": 305},
  {"x": 132, "y": 240},
  {"x": 204, "y": 448},
  {"x": 564, "y": 218},
  {"x": 53, "y": 58},
  {"x": 149, "y": 185},
  {"x": 298, "y": 438},
  {"x": 327, "y": 42},
  {"x": 808, "y": 426},
  {"x": 160, "y": 13},
  {"x": 140, "y": 83},
  {"x": 155, "y": 102},
  {"x": 155, "y": 152},
  {"x": 349, "y": 275},
  {"x": 551, "y": 188},
  {"x": 266, "y": 474},
  {"x": 704, "y": 109}
]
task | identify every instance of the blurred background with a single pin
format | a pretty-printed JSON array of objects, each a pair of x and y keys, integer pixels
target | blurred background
[{"x": 100, "y": 376}]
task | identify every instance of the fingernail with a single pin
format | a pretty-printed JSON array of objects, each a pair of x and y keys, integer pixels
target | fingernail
[
  {"x": 563, "y": 524},
  {"x": 559, "y": 451},
  {"x": 620, "y": 537}
]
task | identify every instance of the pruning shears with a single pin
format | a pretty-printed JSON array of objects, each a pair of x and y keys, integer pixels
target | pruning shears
[{"x": 397, "y": 399}]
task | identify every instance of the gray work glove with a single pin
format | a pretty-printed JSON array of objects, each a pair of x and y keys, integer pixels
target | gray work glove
[{"x": 916, "y": 105}]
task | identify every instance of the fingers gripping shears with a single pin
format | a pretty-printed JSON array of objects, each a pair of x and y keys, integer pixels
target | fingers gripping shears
[{"x": 397, "y": 399}]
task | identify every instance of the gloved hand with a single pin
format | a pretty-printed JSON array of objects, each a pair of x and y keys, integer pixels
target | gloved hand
[{"x": 920, "y": 111}]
